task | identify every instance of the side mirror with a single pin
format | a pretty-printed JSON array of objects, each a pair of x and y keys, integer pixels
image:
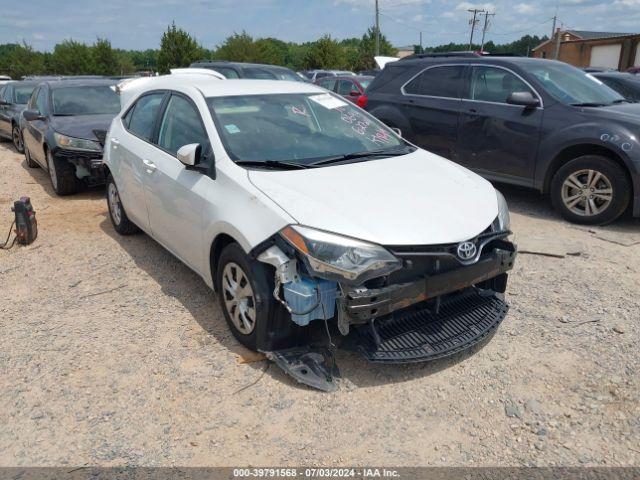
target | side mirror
[
  {"x": 525, "y": 99},
  {"x": 354, "y": 93},
  {"x": 397, "y": 130},
  {"x": 189, "y": 154},
  {"x": 32, "y": 115}
]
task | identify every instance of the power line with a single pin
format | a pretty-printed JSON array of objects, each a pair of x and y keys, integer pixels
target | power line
[{"x": 531, "y": 27}]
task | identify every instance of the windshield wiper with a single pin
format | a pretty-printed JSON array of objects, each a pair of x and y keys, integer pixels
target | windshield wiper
[
  {"x": 588, "y": 104},
  {"x": 358, "y": 155},
  {"x": 620, "y": 100},
  {"x": 275, "y": 164}
]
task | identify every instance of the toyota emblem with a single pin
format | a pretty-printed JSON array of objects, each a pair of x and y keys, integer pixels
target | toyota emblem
[{"x": 467, "y": 250}]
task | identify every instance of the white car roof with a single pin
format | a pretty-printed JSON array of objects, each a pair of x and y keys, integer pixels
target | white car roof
[{"x": 210, "y": 85}]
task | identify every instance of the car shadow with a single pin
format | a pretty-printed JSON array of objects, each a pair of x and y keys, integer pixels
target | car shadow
[
  {"x": 182, "y": 284},
  {"x": 531, "y": 203}
]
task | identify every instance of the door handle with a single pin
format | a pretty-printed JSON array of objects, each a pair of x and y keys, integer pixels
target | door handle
[
  {"x": 151, "y": 167},
  {"x": 473, "y": 111}
]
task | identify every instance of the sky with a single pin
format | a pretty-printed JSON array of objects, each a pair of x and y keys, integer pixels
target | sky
[{"x": 138, "y": 24}]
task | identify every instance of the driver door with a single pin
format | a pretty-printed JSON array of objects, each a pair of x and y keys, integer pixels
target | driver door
[
  {"x": 175, "y": 195},
  {"x": 497, "y": 139}
]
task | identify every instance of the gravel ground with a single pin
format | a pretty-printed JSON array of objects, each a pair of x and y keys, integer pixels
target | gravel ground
[{"x": 114, "y": 353}]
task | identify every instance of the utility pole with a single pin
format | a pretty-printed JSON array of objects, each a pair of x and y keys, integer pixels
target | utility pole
[
  {"x": 556, "y": 50},
  {"x": 555, "y": 18},
  {"x": 485, "y": 27},
  {"x": 421, "y": 49},
  {"x": 377, "y": 29},
  {"x": 473, "y": 23}
]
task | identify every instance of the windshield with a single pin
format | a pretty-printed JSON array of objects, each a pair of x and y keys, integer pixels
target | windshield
[
  {"x": 22, "y": 93},
  {"x": 570, "y": 85},
  {"x": 297, "y": 128},
  {"x": 92, "y": 100}
]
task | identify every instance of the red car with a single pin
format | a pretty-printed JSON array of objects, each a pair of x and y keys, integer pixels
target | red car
[{"x": 350, "y": 87}]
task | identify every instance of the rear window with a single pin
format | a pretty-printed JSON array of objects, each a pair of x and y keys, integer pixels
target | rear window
[
  {"x": 442, "y": 81},
  {"x": 259, "y": 73},
  {"x": 91, "y": 100}
]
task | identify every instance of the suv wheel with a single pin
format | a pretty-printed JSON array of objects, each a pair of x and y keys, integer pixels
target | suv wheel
[
  {"x": 243, "y": 291},
  {"x": 17, "y": 139},
  {"x": 118, "y": 216},
  {"x": 62, "y": 174},
  {"x": 591, "y": 190}
]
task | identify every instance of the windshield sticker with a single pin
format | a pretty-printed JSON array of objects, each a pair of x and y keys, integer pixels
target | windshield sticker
[
  {"x": 328, "y": 101},
  {"x": 231, "y": 128},
  {"x": 302, "y": 110}
]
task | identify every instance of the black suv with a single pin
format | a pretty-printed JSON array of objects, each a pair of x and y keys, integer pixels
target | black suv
[
  {"x": 531, "y": 122},
  {"x": 248, "y": 70},
  {"x": 64, "y": 127},
  {"x": 13, "y": 100}
]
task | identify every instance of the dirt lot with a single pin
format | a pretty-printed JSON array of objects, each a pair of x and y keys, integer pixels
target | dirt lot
[{"x": 113, "y": 353}]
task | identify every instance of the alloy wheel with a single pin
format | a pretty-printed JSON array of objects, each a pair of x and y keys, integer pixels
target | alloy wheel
[
  {"x": 114, "y": 203},
  {"x": 17, "y": 139},
  {"x": 587, "y": 192},
  {"x": 238, "y": 297}
]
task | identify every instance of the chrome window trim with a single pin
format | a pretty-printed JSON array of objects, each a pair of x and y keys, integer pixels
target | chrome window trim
[{"x": 472, "y": 65}]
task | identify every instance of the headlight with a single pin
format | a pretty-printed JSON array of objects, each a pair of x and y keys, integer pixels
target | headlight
[
  {"x": 76, "y": 143},
  {"x": 504, "y": 220},
  {"x": 339, "y": 258}
]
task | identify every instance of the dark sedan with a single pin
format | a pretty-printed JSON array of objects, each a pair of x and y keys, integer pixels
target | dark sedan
[
  {"x": 626, "y": 84},
  {"x": 350, "y": 87},
  {"x": 13, "y": 100},
  {"x": 64, "y": 128}
]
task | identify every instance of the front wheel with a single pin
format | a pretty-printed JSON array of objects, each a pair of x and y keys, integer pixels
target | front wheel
[
  {"x": 244, "y": 293},
  {"x": 63, "y": 175},
  {"x": 591, "y": 190},
  {"x": 17, "y": 139},
  {"x": 118, "y": 216}
]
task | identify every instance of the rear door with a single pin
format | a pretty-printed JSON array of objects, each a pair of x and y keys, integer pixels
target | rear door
[
  {"x": 497, "y": 139},
  {"x": 131, "y": 154},
  {"x": 173, "y": 192},
  {"x": 431, "y": 102}
]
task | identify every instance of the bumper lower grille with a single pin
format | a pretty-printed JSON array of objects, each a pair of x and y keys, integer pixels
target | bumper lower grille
[{"x": 420, "y": 335}]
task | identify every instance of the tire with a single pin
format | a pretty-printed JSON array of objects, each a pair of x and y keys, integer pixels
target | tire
[
  {"x": 117, "y": 214},
  {"x": 255, "y": 301},
  {"x": 62, "y": 175},
  {"x": 28, "y": 159},
  {"x": 591, "y": 190},
  {"x": 17, "y": 139}
]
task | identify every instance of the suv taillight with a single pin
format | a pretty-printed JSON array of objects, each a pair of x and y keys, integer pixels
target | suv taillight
[{"x": 362, "y": 101}]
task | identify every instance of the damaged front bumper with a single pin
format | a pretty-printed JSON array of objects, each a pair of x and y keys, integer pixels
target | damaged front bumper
[
  {"x": 89, "y": 166},
  {"x": 433, "y": 308}
]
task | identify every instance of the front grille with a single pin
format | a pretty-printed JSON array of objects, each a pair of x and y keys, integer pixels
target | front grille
[{"x": 416, "y": 335}]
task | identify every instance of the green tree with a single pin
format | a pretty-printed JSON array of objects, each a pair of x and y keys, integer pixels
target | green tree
[
  {"x": 367, "y": 50},
  {"x": 238, "y": 47},
  {"x": 18, "y": 60},
  {"x": 105, "y": 59},
  {"x": 177, "y": 49},
  {"x": 325, "y": 53},
  {"x": 71, "y": 58}
]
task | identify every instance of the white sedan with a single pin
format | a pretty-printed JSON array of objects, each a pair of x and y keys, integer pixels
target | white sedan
[{"x": 313, "y": 221}]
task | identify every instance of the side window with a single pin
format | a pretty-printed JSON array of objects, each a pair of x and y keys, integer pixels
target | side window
[
  {"x": 181, "y": 126},
  {"x": 32, "y": 99},
  {"x": 327, "y": 83},
  {"x": 345, "y": 87},
  {"x": 259, "y": 73},
  {"x": 2, "y": 92},
  {"x": 142, "y": 118},
  {"x": 490, "y": 84},
  {"x": 227, "y": 72},
  {"x": 445, "y": 81},
  {"x": 41, "y": 100}
]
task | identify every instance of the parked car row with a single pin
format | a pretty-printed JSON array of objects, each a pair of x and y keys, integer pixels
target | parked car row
[
  {"x": 530, "y": 122},
  {"x": 270, "y": 191}
]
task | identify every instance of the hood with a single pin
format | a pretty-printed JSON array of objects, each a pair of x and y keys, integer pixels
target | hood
[
  {"x": 82, "y": 126},
  {"x": 622, "y": 111},
  {"x": 415, "y": 199}
]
